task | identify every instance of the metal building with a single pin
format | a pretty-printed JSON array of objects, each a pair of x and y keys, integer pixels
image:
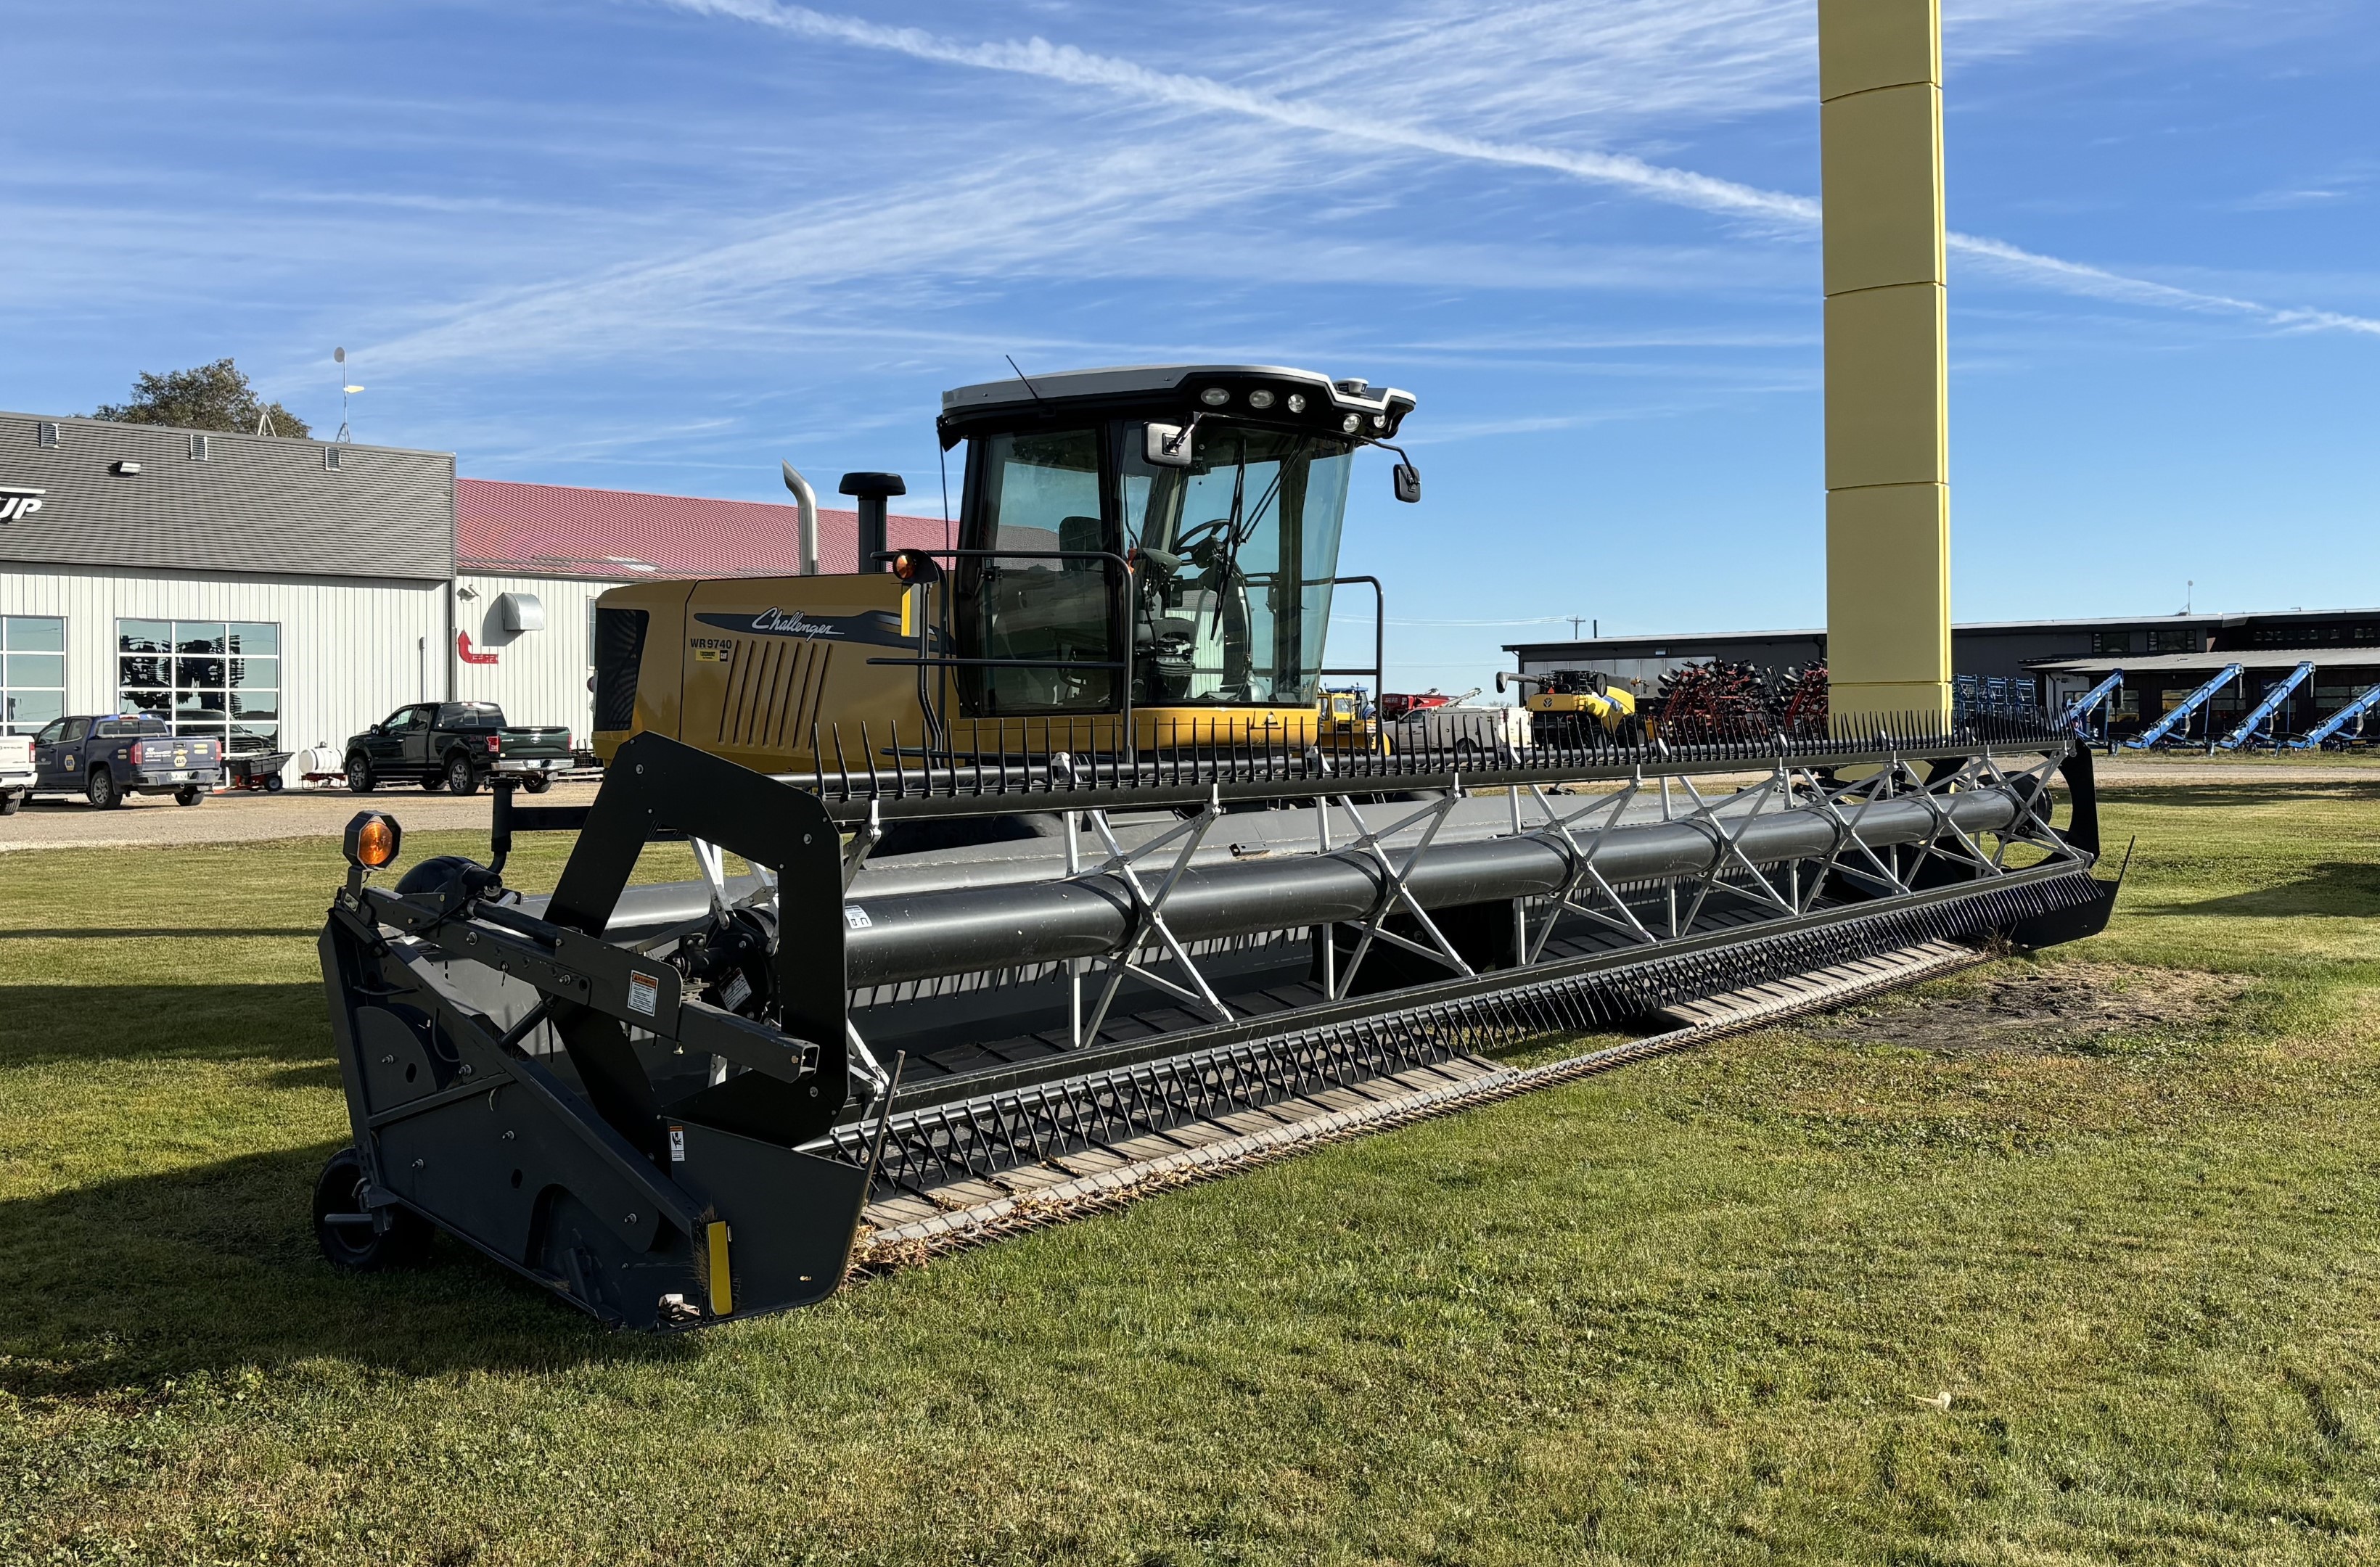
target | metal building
[
  {"x": 257, "y": 589},
  {"x": 2163, "y": 657}
]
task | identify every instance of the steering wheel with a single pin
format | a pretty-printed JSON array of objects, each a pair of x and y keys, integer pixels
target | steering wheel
[{"x": 1204, "y": 536}]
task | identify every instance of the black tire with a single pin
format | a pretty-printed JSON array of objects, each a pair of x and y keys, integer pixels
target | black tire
[
  {"x": 360, "y": 1248},
  {"x": 101, "y": 790},
  {"x": 461, "y": 778},
  {"x": 189, "y": 796},
  {"x": 8, "y": 804},
  {"x": 360, "y": 774},
  {"x": 537, "y": 782},
  {"x": 272, "y": 785},
  {"x": 433, "y": 781}
]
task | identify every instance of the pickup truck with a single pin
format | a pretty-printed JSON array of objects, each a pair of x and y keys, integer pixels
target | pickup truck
[
  {"x": 15, "y": 771},
  {"x": 107, "y": 759},
  {"x": 454, "y": 745}
]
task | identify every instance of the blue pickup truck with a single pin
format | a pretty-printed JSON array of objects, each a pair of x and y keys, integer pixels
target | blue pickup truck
[{"x": 107, "y": 759}]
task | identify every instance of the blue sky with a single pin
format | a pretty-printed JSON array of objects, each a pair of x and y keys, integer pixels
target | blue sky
[{"x": 661, "y": 244}]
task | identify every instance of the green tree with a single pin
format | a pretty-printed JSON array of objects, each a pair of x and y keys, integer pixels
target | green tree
[{"x": 216, "y": 396}]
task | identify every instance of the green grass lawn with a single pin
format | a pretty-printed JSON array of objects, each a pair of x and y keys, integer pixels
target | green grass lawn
[{"x": 1702, "y": 1309}]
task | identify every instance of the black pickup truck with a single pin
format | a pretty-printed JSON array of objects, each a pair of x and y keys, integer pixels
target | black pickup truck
[
  {"x": 106, "y": 759},
  {"x": 454, "y": 745}
]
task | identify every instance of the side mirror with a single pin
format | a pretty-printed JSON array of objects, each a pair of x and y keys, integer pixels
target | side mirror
[
  {"x": 1163, "y": 565},
  {"x": 379, "y": 729},
  {"x": 1167, "y": 445},
  {"x": 1408, "y": 482}
]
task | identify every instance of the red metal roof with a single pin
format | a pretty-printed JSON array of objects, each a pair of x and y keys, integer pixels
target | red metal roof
[{"x": 618, "y": 536}]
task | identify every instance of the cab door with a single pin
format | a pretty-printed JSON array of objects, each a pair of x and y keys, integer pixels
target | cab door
[
  {"x": 48, "y": 752},
  {"x": 65, "y": 764},
  {"x": 415, "y": 750},
  {"x": 385, "y": 744}
]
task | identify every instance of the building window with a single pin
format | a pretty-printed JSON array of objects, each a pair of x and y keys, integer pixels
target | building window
[
  {"x": 2171, "y": 639},
  {"x": 211, "y": 679},
  {"x": 32, "y": 672},
  {"x": 45, "y": 434},
  {"x": 199, "y": 448},
  {"x": 2110, "y": 644}
]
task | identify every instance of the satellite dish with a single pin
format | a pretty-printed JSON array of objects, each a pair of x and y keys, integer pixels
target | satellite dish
[{"x": 340, "y": 355}]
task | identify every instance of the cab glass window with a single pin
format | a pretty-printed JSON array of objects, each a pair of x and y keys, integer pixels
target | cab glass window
[
  {"x": 1037, "y": 493},
  {"x": 1231, "y": 597}
]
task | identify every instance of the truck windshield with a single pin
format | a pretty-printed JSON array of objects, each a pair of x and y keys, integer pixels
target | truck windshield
[{"x": 1237, "y": 554}]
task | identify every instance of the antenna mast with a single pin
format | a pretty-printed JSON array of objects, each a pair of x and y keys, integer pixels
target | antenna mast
[{"x": 339, "y": 358}]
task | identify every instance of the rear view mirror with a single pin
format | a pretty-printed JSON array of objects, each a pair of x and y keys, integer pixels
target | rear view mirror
[
  {"x": 1408, "y": 482},
  {"x": 1167, "y": 445}
]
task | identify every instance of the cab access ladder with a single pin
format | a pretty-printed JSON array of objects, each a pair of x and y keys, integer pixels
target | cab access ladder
[
  {"x": 2313, "y": 739},
  {"x": 2274, "y": 698},
  {"x": 2180, "y": 716}
]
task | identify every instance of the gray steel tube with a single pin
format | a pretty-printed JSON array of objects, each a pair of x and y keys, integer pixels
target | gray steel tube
[{"x": 964, "y": 931}]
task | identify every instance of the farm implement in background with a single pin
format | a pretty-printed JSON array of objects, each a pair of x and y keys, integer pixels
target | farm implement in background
[
  {"x": 2276, "y": 695},
  {"x": 2174, "y": 725},
  {"x": 678, "y": 1103},
  {"x": 2331, "y": 728}
]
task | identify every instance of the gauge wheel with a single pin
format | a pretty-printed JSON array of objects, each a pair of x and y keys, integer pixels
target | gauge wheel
[{"x": 343, "y": 1228}]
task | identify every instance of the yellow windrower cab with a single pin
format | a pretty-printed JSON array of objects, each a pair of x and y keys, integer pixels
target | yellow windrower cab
[{"x": 1144, "y": 559}]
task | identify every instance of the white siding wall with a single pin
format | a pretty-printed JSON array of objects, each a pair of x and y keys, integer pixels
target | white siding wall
[
  {"x": 351, "y": 651},
  {"x": 538, "y": 676}
]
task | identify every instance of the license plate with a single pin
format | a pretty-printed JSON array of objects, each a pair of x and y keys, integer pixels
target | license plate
[{"x": 182, "y": 777}]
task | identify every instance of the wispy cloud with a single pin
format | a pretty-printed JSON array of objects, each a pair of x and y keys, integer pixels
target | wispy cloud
[{"x": 1067, "y": 64}]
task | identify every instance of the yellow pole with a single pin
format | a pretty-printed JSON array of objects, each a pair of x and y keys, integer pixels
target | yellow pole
[{"x": 1888, "y": 460}]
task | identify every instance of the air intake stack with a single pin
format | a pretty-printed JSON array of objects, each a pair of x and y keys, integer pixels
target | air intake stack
[{"x": 873, "y": 491}]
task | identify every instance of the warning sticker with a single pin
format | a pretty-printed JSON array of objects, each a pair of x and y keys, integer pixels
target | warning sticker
[
  {"x": 677, "y": 1144},
  {"x": 644, "y": 994},
  {"x": 855, "y": 916}
]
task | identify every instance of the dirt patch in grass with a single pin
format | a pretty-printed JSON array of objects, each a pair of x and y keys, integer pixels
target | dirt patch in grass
[{"x": 2043, "y": 1009}]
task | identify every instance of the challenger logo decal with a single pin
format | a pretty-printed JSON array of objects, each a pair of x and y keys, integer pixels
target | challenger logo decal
[
  {"x": 773, "y": 621},
  {"x": 875, "y": 628}
]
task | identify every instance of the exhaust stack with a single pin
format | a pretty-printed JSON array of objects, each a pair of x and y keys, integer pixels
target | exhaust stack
[{"x": 806, "y": 525}]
